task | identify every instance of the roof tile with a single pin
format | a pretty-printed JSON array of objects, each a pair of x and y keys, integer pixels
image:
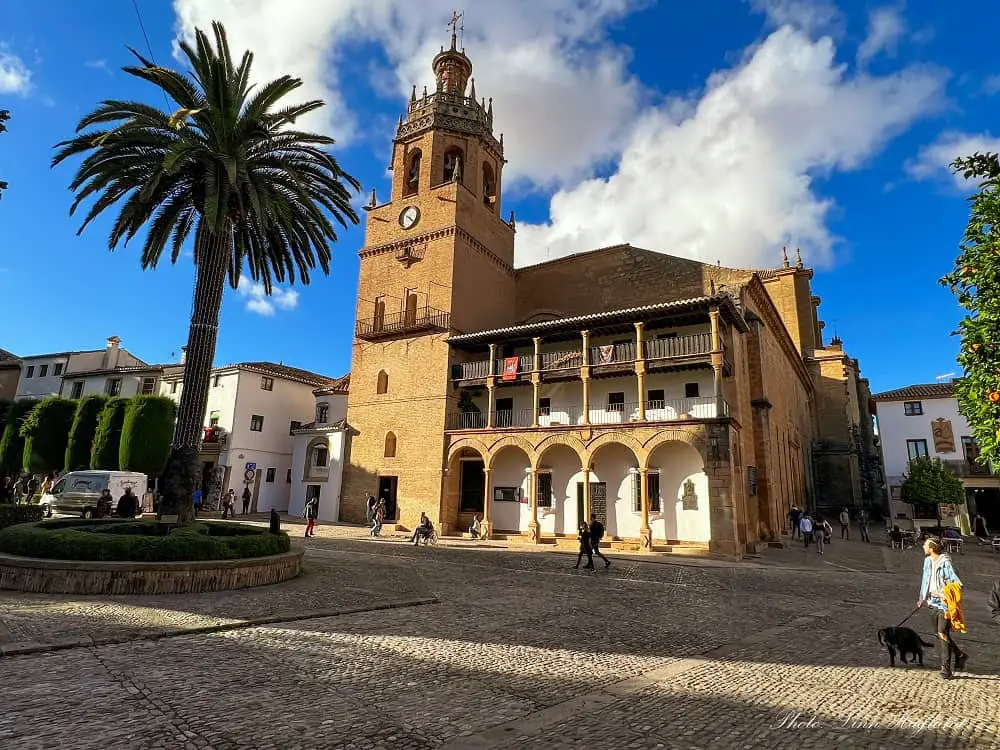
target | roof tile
[{"x": 926, "y": 390}]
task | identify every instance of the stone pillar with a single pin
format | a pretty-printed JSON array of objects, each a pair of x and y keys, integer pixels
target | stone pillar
[
  {"x": 536, "y": 380},
  {"x": 645, "y": 534},
  {"x": 490, "y": 385},
  {"x": 533, "y": 500},
  {"x": 586, "y": 497},
  {"x": 640, "y": 368},
  {"x": 717, "y": 358},
  {"x": 538, "y": 353},
  {"x": 585, "y": 376},
  {"x": 488, "y": 503},
  {"x": 721, "y": 501}
]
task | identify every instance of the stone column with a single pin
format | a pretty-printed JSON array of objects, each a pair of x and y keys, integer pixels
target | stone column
[
  {"x": 645, "y": 534},
  {"x": 490, "y": 385},
  {"x": 488, "y": 503},
  {"x": 723, "y": 513},
  {"x": 533, "y": 500},
  {"x": 536, "y": 380},
  {"x": 586, "y": 497},
  {"x": 717, "y": 357},
  {"x": 640, "y": 368},
  {"x": 585, "y": 376}
]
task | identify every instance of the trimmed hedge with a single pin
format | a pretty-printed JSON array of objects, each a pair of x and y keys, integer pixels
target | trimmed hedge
[
  {"x": 108, "y": 435},
  {"x": 81, "y": 434},
  {"x": 147, "y": 432},
  {"x": 11, "y": 443},
  {"x": 46, "y": 433},
  {"x": 140, "y": 541},
  {"x": 15, "y": 514}
]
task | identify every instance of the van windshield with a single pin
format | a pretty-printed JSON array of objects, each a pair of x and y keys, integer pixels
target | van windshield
[{"x": 60, "y": 486}]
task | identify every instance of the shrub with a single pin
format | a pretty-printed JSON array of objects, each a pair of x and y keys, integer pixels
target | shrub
[
  {"x": 146, "y": 434},
  {"x": 140, "y": 541},
  {"x": 14, "y": 514},
  {"x": 107, "y": 436},
  {"x": 11, "y": 443},
  {"x": 81, "y": 434},
  {"x": 46, "y": 431}
]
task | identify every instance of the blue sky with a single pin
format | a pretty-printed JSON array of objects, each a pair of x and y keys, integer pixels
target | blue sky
[{"x": 719, "y": 130}]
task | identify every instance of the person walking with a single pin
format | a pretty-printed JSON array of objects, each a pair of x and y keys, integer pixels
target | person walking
[
  {"x": 794, "y": 516},
  {"x": 197, "y": 501},
  {"x": 311, "y": 511},
  {"x": 819, "y": 533},
  {"x": 229, "y": 504},
  {"x": 863, "y": 525},
  {"x": 995, "y": 602},
  {"x": 379, "y": 517},
  {"x": 845, "y": 524},
  {"x": 596, "y": 535},
  {"x": 940, "y": 592},
  {"x": 247, "y": 497},
  {"x": 585, "y": 548},
  {"x": 806, "y": 528}
]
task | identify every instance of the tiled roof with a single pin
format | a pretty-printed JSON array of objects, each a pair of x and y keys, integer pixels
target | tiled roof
[
  {"x": 340, "y": 424},
  {"x": 915, "y": 392},
  {"x": 6, "y": 355},
  {"x": 288, "y": 373},
  {"x": 723, "y": 300},
  {"x": 340, "y": 385},
  {"x": 135, "y": 369}
]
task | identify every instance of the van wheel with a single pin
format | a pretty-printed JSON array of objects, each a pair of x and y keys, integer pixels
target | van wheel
[{"x": 88, "y": 513}]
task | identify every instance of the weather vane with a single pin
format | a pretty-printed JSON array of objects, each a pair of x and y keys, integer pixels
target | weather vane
[{"x": 456, "y": 19}]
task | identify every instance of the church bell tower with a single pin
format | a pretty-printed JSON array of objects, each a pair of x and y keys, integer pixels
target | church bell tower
[{"x": 437, "y": 260}]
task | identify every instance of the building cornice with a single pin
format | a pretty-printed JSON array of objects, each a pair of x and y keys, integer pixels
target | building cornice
[{"x": 437, "y": 234}]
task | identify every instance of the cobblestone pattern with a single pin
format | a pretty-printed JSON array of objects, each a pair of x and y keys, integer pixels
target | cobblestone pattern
[{"x": 526, "y": 652}]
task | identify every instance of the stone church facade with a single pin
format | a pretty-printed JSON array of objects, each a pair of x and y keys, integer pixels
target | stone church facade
[{"x": 680, "y": 402}]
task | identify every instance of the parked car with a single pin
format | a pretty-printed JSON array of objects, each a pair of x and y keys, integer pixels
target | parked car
[{"x": 76, "y": 492}]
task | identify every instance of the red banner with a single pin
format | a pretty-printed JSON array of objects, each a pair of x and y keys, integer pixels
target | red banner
[{"x": 510, "y": 365}]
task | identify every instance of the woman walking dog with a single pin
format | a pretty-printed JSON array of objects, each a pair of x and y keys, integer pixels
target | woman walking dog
[{"x": 941, "y": 591}]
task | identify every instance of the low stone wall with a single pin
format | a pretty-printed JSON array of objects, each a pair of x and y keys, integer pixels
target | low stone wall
[{"x": 72, "y": 577}]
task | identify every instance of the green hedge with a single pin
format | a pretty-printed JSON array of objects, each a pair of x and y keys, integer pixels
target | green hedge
[
  {"x": 140, "y": 541},
  {"x": 14, "y": 514},
  {"x": 108, "y": 435},
  {"x": 147, "y": 432},
  {"x": 46, "y": 432},
  {"x": 11, "y": 443},
  {"x": 81, "y": 435}
]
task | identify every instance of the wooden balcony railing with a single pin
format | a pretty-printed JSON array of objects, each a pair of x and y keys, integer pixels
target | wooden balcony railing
[
  {"x": 682, "y": 346},
  {"x": 409, "y": 321}
]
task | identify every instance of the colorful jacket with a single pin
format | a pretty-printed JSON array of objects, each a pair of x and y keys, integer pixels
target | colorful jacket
[
  {"x": 943, "y": 573},
  {"x": 953, "y": 600}
]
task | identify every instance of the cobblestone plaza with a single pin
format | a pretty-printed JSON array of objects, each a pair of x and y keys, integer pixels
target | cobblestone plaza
[{"x": 383, "y": 645}]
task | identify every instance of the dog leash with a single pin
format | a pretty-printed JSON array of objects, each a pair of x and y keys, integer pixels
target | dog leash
[{"x": 908, "y": 617}]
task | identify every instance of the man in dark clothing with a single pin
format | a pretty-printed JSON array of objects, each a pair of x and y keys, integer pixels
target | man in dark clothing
[
  {"x": 32, "y": 488},
  {"x": 794, "y": 515},
  {"x": 246, "y": 500},
  {"x": 995, "y": 602},
  {"x": 596, "y": 534},
  {"x": 128, "y": 505},
  {"x": 585, "y": 548}
]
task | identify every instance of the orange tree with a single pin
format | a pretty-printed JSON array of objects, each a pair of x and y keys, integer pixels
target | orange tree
[{"x": 975, "y": 282}]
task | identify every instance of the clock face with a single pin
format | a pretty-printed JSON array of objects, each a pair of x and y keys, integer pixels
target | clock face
[{"x": 409, "y": 217}]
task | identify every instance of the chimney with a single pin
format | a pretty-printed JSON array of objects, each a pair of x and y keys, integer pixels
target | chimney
[
  {"x": 112, "y": 352},
  {"x": 184, "y": 351}
]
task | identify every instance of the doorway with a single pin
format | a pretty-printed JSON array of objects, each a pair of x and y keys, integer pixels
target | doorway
[
  {"x": 505, "y": 412},
  {"x": 387, "y": 491},
  {"x": 598, "y": 502},
  {"x": 473, "y": 487}
]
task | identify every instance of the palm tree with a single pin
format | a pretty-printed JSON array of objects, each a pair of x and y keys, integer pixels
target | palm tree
[{"x": 228, "y": 166}]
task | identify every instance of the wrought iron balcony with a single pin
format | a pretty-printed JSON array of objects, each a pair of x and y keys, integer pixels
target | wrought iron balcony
[
  {"x": 421, "y": 319},
  {"x": 967, "y": 468}
]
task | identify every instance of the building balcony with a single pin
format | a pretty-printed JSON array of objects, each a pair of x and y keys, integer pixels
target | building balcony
[
  {"x": 673, "y": 410},
  {"x": 967, "y": 468},
  {"x": 421, "y": 319},
  {"x": 658, "y": 354}
]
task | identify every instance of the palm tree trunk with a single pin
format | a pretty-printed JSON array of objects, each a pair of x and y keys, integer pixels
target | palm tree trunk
[{"x": 183, "y": 472}]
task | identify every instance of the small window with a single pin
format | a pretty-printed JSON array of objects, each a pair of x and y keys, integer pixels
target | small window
[
  {"x": 293, "y": 426},
  {"x": 173, "y": 387},
  {"x": 489, "y": 187},
  {"x": 30, "y": 373},
  {"x": 690, "y": 390},
  {"x": 322, "y": 412},
  {"x": 148, "y": 386},
  {"x": 616, "y": 402},
  {"x": 57, "y": 368},
  {"x": 256, "y": 423},
  {"x": 544, "y": 407},
  {"x": 266, "y": 383},
  {"x": 913, "y": 408},
  {"x": 269, "y": 477},
  {"x": 655, "y": 398},
  {"x": 43, "y": 370},
  {"x": 382, "y": 386},
  {"x": 544, "y": 493},
  {"x": 652, "y": 492},
  {"x": 453, "y": 160},
  {"x": 216, "y": 380},
  {"x": 390, "y": 445},
  {"x": 506, "y": 494},
  {"x": 321, "y": 457},
  {"x": 916, "y": 449},
  {"x": 113, "y": 387},
  {"x": 288, "y": 476},
  {"x": 77, "y": 390},
  {"x": 412, "y": 174}
]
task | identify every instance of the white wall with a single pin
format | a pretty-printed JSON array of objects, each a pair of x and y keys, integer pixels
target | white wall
[
  {"x": 564, "y": 466},
  {"x": 677, "y": 463},
  {"x": 337, "y": 404},
  {"x": 330, "y": 487},
  {"x": 97, "y": 384},
  {"x": 895, "y": 428},
  {"x": 221, "y": 397},
  {"x": 509, "y": 470},
  {"x": 39, "y": 387},
  {"x": 611, "y": 466}
]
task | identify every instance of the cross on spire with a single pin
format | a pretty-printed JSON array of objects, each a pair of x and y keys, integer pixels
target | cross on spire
[{"x": 456, "y": 19}]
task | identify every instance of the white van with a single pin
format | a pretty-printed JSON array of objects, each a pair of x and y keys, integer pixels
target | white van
[{"x": 76, "y": 492}]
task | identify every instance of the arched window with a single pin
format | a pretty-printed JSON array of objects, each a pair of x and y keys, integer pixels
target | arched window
[
  {"x": 412, "y": 174},
  {"x": 322, "y": 412},
  {"x": 489, "y": 186},
  {"x": 390, "y": 445},
  {"x": 411, "y": 309},
  {"x": 454, "y": 164},
  {"x": 321, "y": 456},
  {"x": 383, "y": 382}
]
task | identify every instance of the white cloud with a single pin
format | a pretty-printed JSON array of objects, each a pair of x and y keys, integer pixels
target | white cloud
[
  {"x": 813, "y": 16},
  {"x": 15, "y": 78},
  {"x": 991, "y": 85},
  {"x": 546, "y": 63},
  {"x": 934, "y": 161},
  {"x": 262, "y": 304},
  {"x": 99, "y": 65},
  {"x": 885, "y": 28},
  {"x": 730, "y": 176}
]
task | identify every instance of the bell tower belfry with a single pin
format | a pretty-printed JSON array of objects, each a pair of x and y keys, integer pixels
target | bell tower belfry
[{"x": 437, "y": 260}]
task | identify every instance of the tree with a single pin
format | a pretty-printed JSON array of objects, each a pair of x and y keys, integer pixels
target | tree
[
  {"x": 975, "y": 281},
  {"x": 146, "y": 433},
  {"x": 12, "y": 444},
  {"x": 228, "y": 167},
  {"x": 45, "y": 430},
  {"x": 4, "y": 117},
  {"x": 81, "y": 434},
  {"x": 928, "y": 482},
  {"x": 108, "y": 435}
]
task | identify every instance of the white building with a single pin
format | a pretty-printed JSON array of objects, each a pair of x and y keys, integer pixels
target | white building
[
  {"x": 42, "y": 375},
  {"x": 253, "y": 409},
  {"x": 923, "y": 420},
  {"x": 320, "y": 448},
  {"x": 139, "y": 380}
]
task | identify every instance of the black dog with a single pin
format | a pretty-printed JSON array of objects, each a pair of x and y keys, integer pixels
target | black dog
[{"x": 906, "y": 641}]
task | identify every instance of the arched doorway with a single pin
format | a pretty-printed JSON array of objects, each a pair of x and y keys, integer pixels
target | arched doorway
[
  {"x": 510, "y": 486},
  {"x": 465, "y": 490},
  {"x": 612, "y": 500},
  {"x": 560, "y": 477},
  {"x": 682, "y": 488}
]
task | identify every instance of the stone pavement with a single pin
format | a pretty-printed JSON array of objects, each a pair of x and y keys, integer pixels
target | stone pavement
[{"x": 521, "y": 651}]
